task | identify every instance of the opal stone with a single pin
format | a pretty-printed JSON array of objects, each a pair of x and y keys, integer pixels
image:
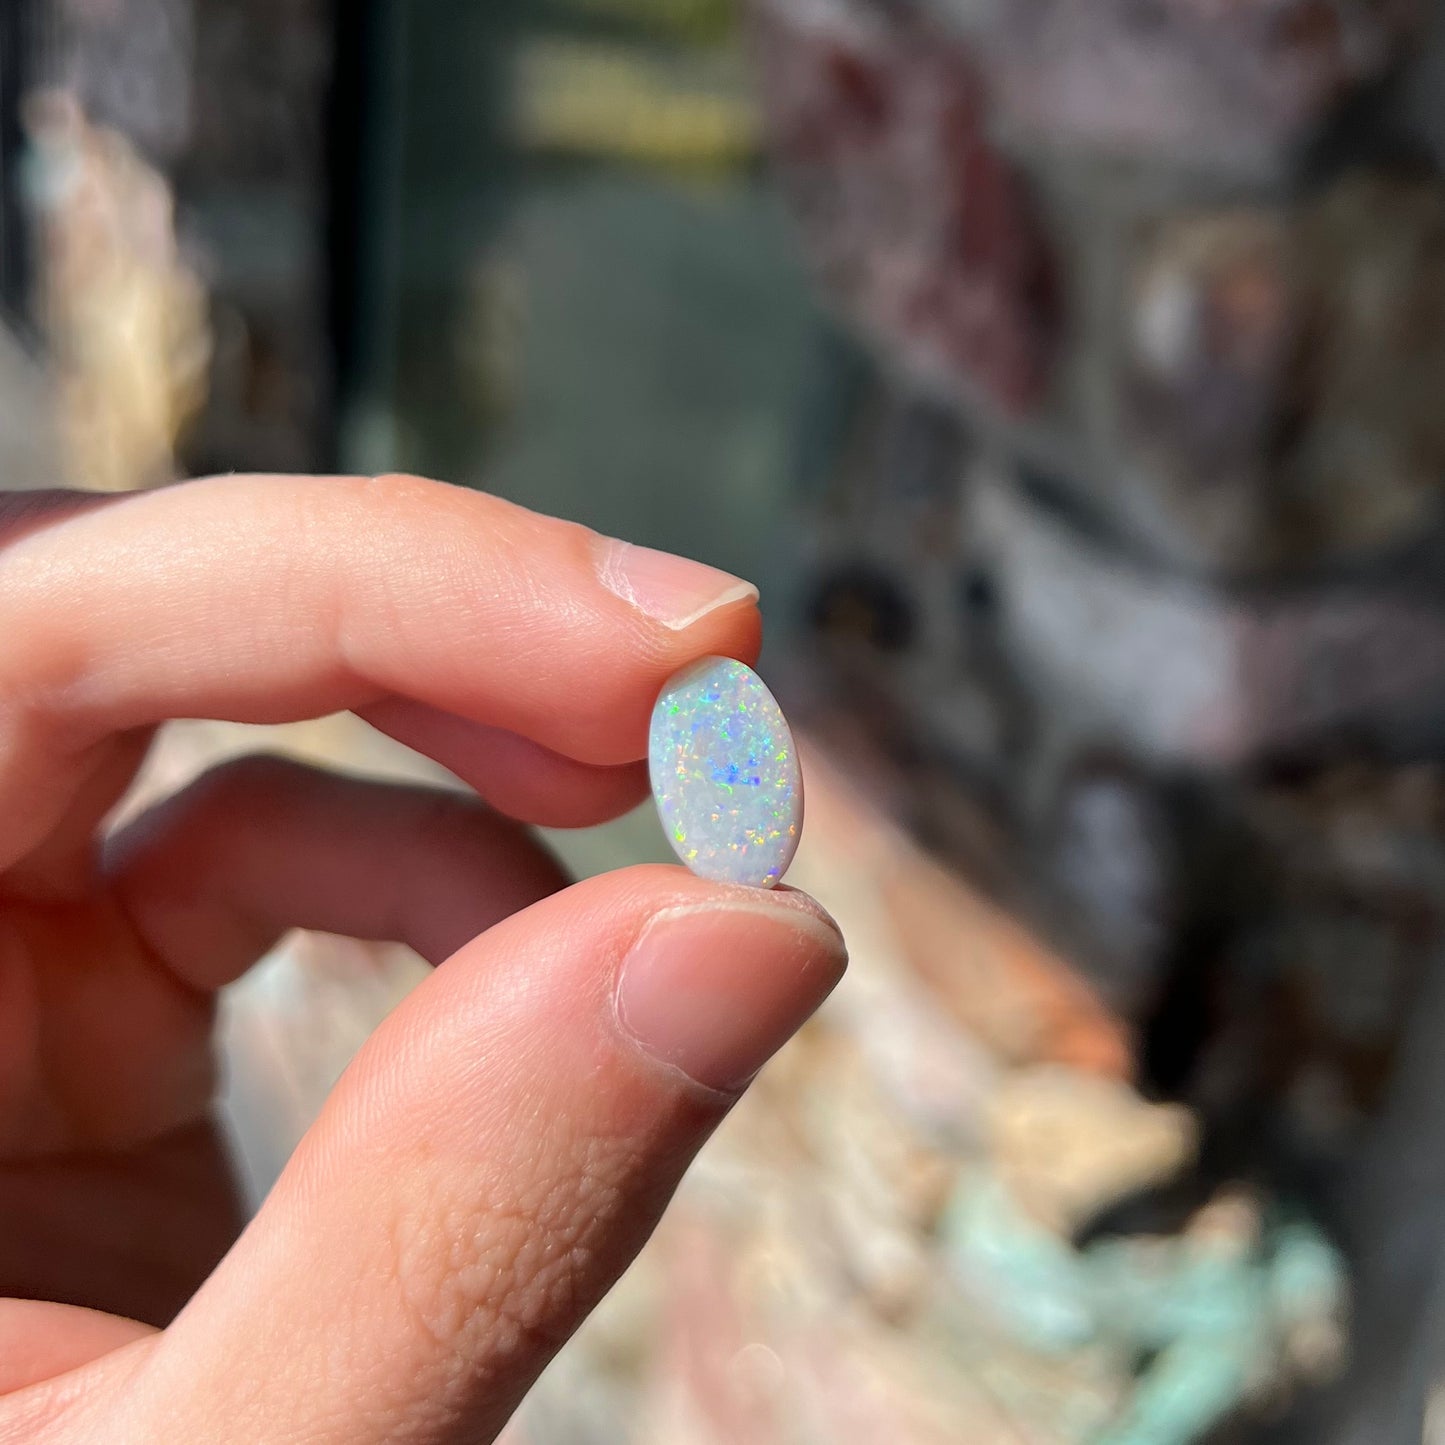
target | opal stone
[{"x": 725, "y": 774}]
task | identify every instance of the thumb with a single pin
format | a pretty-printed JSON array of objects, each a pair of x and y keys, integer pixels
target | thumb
[{"x": 487, "y": 1168}]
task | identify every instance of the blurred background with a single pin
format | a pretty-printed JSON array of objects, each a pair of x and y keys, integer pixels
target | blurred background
[{"x": 1068, "y": 373}]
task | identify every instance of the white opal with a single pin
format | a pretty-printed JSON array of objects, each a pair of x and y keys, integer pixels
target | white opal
[{"x": 725, "y": 774}]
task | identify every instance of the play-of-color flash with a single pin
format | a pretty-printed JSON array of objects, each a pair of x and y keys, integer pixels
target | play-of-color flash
[{"x": 725, "y": 774}]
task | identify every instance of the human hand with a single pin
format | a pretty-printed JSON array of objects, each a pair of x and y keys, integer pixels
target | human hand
[{"x": 505, "y": 1142}]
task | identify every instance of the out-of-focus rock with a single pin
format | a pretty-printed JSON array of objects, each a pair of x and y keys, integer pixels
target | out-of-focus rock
[
  {"x": 1174, "y": 668},
  {"x": 997, "y": 978},
  {"x": 1284, "y": 374},
  {"x": 125, "y": 315},
  {"x": 916, "y": 224},
  {"x": 1112, "y": 849},
  {"x": 1314, "y": 991},
  {"x": 1065, "y": 1143},
  {"x": 1196, "y": 81}
]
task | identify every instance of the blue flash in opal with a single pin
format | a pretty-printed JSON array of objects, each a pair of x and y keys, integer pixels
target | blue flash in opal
[{"x": 725, "y": 774}]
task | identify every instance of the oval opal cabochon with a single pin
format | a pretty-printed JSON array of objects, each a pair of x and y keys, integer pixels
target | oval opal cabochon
[{"x": 725, "y": 774}]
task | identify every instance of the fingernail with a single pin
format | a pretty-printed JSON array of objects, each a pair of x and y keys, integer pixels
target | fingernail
[
  {"x": 671, "y": 590},
  {"x": 716, "y": 989}
]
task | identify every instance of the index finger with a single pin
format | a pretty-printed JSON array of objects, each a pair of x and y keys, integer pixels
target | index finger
[{"x": 272, "y": 598}]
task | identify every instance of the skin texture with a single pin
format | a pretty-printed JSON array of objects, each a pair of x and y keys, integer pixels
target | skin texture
[{"x": 506, "y": 1141}]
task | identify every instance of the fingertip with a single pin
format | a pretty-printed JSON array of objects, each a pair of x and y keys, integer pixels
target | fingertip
[
  {"x": 666, "y": 588},
  {"x": 503, "y": 1146},
  {"x": 713, "y": 989}
]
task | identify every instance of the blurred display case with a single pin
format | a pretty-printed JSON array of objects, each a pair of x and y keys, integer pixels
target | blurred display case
[{"x": 1066, "y": 374}]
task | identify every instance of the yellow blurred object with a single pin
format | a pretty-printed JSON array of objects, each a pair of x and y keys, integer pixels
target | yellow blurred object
[
  {"x": 126, "y": 317},
  {"x": 1068, "y": 1143},
  {"x": 695, "y": 20},
  {"x": 611, "y": 101}
]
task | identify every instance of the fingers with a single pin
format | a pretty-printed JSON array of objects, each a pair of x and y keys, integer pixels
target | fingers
[
  {"x": 132, "y": 1234},
  {"x": 208, "y": 881},
  {"x": 61, "y": 868},
  {"x": 39, "y": 1340},
  {"x": 271, "y": 598},
  {"x": 487, "y": 1167},
  {"x": 516, "y": 776},
  {"x": 215, "y": 875}
]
